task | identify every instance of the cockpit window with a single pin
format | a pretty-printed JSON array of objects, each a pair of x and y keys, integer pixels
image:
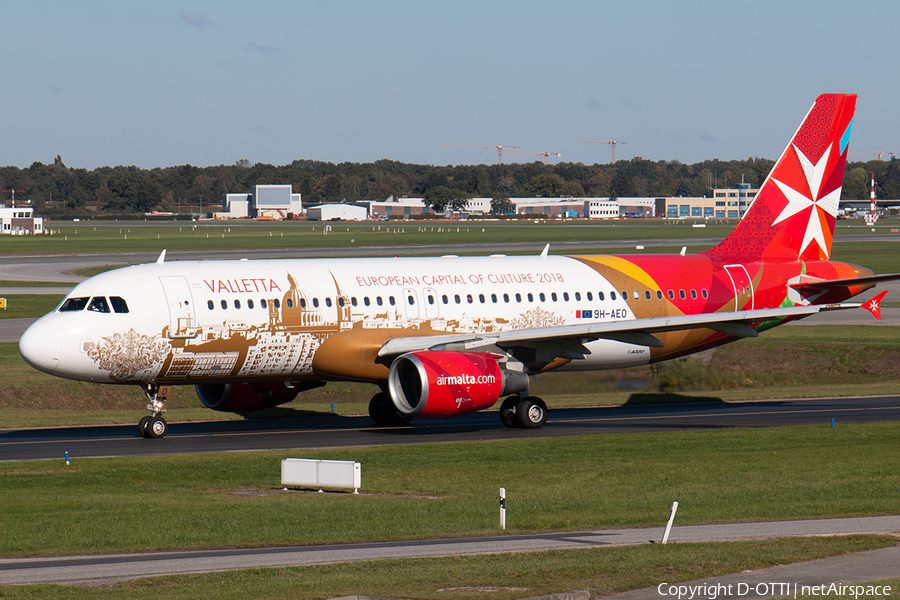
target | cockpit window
[
  {"x": 118, "y": 304},
  {"x": 98, "y": 304},
  {"x": 73, "y": 304}
]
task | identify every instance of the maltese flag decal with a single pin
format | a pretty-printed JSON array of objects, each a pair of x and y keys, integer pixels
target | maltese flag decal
[{"x": 874, "y": 305}]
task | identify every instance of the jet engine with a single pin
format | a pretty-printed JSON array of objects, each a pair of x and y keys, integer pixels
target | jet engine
[
  {"x": 247, "y": 397},
  {"x": 447, "y": 384}
]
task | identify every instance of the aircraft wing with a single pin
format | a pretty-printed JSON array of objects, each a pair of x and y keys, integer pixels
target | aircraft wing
[{"x": 567, "y": 341}]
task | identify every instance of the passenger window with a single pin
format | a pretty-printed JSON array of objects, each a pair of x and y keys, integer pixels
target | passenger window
[
  {"x": 705, "y": 295},
  {"x": 276, "y": 303},
  {"x": 518, "y": 297},
  {"x": 209, "y": 304},
  {"x": 681, "y": 294},
  {"x": 494, "y": 298},
  {"x": 315, "y": 302},
  {"x": 481, "y": 298},
  {"x": 530, "y": 297},
  {"x": 263, "y": 303},
  {"x": 624, "y": 295},
  {"x": 366, "y": 300},
  {"x": 302, "y": 302},
  {"x": 237, "y": 303},
  {"x": 430, "y": 299},
  {"x": 612, "y": 295},
  {"x": 340, "y": 301},
  {"x": 659, "y": 294},
  {"x": 647, "y": 294},
  {"x": 289, "y": 303},
  {"x": 410, "y": 300},
  {"x": 98, "y": 304},
  {"x": 600, "y": 296},
  {"x": 120, "y": 306},
  {"x": 249, "y": 303},
  {"x": 353, "y": 301},
  {"x": 469, "y": 298},
  {"x": 73, "y": 304},
  {"x": 392, "y": 301},
  {"x": 328, "y": 302},
  {"x": 553, "y": 296},
  {"x": 379, "y": 301},
  {"x": 506, "y": 297},
  {"x": 577, "y": 296},
  {"x": 590, "y": 296},
  {"x": 456, "y": 298},
  {"x": 224, "y": 304},
  {"x": 566, "y": 296},
  {"x": 671, "y": 295},
  {"x": 694, "y": 294},
  {"x": 445, "y": 299}
]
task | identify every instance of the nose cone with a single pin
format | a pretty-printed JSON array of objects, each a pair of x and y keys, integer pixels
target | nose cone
[{"x": 40, "y": 345}]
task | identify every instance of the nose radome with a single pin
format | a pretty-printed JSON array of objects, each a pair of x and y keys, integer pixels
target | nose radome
[{"x": 40, "y": 346}]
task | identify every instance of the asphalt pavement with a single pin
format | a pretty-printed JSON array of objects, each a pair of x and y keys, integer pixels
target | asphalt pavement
[{"x": 107, "y": 569}]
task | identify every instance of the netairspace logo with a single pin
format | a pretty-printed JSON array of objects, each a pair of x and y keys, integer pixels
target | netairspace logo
[{"x": 779, "y": 589}]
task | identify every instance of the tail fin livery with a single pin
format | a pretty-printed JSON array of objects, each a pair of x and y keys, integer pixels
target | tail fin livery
[{"x": 793, "y": 215}]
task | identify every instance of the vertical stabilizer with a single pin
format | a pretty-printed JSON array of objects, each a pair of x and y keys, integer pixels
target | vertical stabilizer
[{"x": 793, "y": 215}]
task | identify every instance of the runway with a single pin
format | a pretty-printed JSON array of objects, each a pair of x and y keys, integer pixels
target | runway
[{"x": 329, "y": 431}]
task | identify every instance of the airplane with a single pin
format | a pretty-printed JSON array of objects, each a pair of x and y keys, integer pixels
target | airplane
[{"x": 451, "y": 335}]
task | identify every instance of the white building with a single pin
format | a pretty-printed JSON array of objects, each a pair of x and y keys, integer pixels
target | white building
[
  {"x": 344, "y": 212},
  {"x": 265, "y": 201},
  {"x": 20, "y": 221}
]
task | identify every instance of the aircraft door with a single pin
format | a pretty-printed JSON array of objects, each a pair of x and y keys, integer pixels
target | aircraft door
[
  {"x": 742, "y": 285},
  {"x": 182, "y": 315},
  {"x": 411, "y": 303},
  {"x": 432, "y": 307}
]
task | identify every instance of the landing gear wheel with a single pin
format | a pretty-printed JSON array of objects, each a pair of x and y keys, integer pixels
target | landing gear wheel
[
  {"x": 383, "y": 411},
  {"x": 508, "y": 411},
  {"x": 142, "y": 426},
  {"x": 157, "y": 427},
  {"x": 531, "y": 413}
]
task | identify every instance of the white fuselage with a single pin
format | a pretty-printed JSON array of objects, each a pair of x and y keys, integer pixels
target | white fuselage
[{"x": 190, "y": 322}]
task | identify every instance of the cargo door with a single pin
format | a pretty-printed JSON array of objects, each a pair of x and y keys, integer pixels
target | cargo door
[{"x": 742, "y": 285}]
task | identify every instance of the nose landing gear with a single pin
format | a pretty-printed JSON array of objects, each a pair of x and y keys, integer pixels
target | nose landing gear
[{"x": 154, "y": 426}]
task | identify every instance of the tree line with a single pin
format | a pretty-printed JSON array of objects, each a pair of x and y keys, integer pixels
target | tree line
[{"x": 59, "y": 191}]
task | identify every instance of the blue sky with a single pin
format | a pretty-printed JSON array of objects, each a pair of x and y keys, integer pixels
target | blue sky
[{"x": 163, "y": 83}]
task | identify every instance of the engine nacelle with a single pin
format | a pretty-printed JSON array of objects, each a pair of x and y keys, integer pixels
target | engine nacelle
[
  {"x": 447, "y": 384},
  {"x": 245, "y": 397}
]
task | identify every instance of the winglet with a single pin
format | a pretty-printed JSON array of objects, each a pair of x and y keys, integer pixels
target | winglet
[
  {"x": 162, "y": 258},
  {"x": 545, "y": 251},
  {"x": 874, "y": 305}
]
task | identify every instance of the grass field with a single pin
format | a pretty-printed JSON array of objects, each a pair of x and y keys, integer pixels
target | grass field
[
  {"x": 450, "y": 489},
  {"x": 107, "y": 237}
]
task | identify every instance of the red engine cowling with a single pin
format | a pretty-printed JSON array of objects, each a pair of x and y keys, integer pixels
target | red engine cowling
[
  {"x": 447, "y": 384},
  {"x": 245, "y": 397}
]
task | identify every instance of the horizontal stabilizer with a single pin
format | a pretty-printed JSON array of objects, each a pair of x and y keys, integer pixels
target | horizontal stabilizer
[{"x": 825, "y": 284}]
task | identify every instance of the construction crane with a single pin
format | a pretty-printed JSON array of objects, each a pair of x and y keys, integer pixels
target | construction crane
[
  {"x": 546, "y": 155},
  {"x": 13, "y": 195},
  {"x": 879, "y": 154},
  {"x": 612, "y": 145},
  {"x": 499, "y": 149}
]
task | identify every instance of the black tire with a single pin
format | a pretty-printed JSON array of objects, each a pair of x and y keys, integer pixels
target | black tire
[
  {"x": 508, "y": 411},
  {"x": 142, "y": 426},
  {"x": 157, "y": 427},
  {"x": 383, "y": 411},
  {"x": 531, "y": 413}
]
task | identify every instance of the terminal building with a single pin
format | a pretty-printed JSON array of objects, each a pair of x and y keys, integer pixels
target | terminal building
[
  {"x": 275, "y": 202},
  {"x": 278, "y": 202}
]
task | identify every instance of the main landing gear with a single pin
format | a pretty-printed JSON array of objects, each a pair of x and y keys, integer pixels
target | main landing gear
[
  {"x": 383, "y": 411},
  {"x": 154, "y": 426},
  {"x": 528, "y": 413}
]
